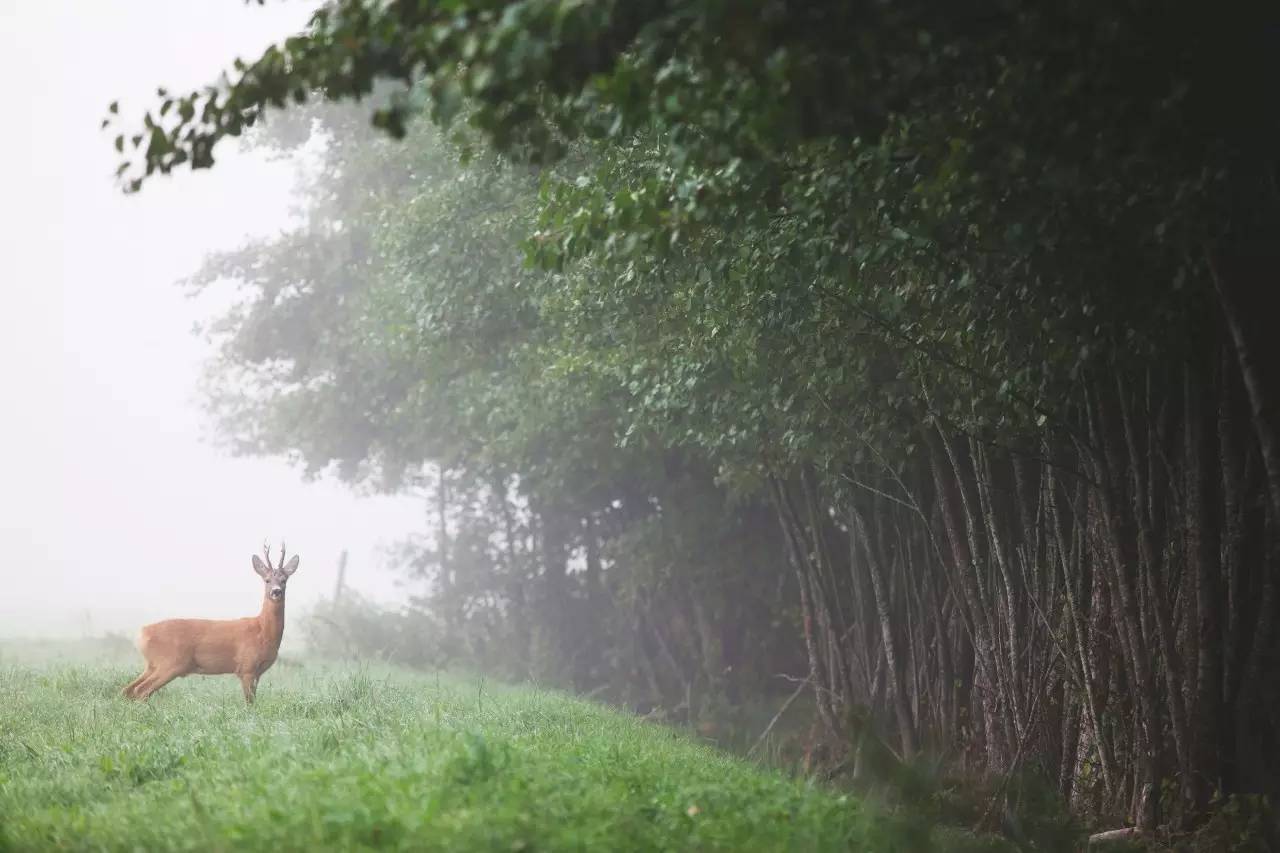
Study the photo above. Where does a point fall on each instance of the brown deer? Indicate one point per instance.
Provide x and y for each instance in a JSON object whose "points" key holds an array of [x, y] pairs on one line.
{"points": [[246, 647]]}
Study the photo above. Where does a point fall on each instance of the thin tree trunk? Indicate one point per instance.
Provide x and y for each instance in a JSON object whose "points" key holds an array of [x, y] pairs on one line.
{"points": [[1256, 360], [1151, 568], [1202, 528], [893, 657], [1132, 619], [798, 558]]}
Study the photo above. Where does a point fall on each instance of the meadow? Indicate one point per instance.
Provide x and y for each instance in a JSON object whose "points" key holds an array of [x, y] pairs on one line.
{"points": [[369, 757]]}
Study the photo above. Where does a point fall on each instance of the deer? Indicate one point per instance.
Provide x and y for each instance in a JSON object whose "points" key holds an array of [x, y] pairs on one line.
{"points": [[243, 647]]}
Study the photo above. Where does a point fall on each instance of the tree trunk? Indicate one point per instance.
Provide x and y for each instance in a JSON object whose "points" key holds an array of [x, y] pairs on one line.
{"points": [[1203, 551], [1246, 285], [894, 659]]}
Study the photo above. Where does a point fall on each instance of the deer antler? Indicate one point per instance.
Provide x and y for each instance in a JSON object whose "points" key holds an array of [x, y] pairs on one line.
{"points": [[266, 552], [280, 565]]}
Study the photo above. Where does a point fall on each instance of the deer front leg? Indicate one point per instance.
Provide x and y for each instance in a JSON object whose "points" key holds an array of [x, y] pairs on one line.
{"points": [[249, 683]]}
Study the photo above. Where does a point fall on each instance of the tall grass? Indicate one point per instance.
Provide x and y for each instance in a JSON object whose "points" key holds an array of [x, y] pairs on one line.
{"points": [[361, 758]]}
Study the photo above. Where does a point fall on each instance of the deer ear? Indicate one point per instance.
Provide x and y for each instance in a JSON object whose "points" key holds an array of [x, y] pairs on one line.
{"points": [[259, 566], [291, 566]]}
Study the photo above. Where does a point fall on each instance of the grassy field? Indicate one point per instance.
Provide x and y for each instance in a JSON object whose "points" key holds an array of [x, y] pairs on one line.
{"points": [[375, 758]]}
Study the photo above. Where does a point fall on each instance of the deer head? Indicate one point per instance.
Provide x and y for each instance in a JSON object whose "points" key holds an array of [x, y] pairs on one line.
{"points": [[275, 577]]}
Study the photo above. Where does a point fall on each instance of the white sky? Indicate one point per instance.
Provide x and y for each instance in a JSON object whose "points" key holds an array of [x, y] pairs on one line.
{"points": [[113, 499]]}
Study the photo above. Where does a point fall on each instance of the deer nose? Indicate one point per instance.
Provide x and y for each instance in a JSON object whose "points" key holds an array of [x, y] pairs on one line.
{"points": [[277, 591]]}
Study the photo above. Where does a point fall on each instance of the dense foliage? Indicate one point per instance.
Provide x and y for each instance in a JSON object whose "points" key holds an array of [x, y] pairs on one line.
{"points": [[922, 349]]}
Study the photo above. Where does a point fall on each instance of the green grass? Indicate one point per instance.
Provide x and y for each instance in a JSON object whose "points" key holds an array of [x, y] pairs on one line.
{"points": [[363, 758]]}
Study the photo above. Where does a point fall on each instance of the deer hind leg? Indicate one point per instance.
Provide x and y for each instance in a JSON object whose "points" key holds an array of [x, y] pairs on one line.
{"points": [[158, 679], [249, 683], [129, 689]]}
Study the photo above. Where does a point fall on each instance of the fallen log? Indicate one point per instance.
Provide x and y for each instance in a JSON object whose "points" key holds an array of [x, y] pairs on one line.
{"points": [[1129, 833]]}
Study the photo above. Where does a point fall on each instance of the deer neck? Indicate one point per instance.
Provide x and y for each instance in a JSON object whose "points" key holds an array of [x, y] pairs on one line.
{"points": [[272, 620]]}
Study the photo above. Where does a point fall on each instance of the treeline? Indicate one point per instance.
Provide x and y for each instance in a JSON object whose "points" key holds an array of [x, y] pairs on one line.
{"points": [[924, 355]]}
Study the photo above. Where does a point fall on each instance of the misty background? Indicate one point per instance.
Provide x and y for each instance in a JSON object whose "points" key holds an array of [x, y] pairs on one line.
{"points": [[117, 507]]}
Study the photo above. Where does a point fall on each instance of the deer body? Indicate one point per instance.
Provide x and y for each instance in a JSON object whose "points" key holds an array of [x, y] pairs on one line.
{"points": [[243, 647]]}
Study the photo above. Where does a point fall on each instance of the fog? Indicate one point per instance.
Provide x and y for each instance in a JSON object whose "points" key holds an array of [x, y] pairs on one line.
{"points": [[116, 504]]}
